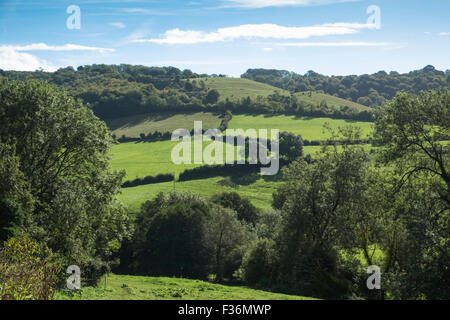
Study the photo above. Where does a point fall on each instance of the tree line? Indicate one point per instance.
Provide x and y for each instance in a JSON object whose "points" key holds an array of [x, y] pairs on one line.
{"points": [[114, 91], [369, 90]]}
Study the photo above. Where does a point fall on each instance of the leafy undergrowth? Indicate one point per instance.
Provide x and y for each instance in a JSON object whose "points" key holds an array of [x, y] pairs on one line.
{"points": [[120, 287]]}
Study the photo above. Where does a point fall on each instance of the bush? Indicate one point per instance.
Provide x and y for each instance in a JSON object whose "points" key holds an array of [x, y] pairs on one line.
{"points": [[170, 238], [28, 271], [246, 211], [258, 265]]}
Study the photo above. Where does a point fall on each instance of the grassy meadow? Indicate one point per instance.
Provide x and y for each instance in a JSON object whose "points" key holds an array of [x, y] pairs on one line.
{"points": [[120, 287], [259, 190], [309, 128], [316, 98], [140, 159], [132, 126], [238, 88]]}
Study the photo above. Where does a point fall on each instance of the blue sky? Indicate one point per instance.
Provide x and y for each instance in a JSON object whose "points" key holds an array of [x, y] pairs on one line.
{"points": [[332, 37]]}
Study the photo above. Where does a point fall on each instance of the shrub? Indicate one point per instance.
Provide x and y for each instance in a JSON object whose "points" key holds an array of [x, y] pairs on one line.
{"points": [[28, 271], [245, 209], [258, 265]]}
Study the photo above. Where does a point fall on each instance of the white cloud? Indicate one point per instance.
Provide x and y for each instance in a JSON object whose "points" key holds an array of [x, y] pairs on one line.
{"points": [[267, 49], [265, 31], [45, 47], [119, 25], [280, 3], [444, 34], [11, 59], [334, 44]]}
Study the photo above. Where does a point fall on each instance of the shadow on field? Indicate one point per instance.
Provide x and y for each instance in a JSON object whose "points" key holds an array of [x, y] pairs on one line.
{"points": [[274, 178], [126, 122]]}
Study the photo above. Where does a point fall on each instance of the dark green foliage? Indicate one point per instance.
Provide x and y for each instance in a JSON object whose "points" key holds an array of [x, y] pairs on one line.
{"points": [[209, 171], [260, 264], [62, 151], [225, 120], [212, 96], [244, 208], [148, 180], [370, 90], [412, 128], [170, 238], [225, 234], [117, 91], [15, 198], [291, 146]]}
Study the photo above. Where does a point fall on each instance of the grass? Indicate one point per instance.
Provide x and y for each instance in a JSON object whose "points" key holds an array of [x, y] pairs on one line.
{"points": [[238, 88], [132, 126], [255, 188], [309, 128], [316, 98], [152, 158], [140, 159], [121, 287]]}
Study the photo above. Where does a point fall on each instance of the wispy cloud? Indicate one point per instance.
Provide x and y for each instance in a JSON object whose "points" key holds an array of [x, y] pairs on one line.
{"points": [[280, 3], [194, 62], [46, 47], [334, 44], [444, 34], [119, 25], [146, 11], [263, 31]]}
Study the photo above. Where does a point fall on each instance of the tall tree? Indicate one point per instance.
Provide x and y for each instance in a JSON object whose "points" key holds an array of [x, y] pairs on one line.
{"points": [[412, 130], [224, 233], [62, 149]]}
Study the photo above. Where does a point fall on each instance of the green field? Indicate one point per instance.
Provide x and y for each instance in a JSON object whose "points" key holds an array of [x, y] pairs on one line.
{"points": [[259, 190], [315, 98], [163, 122], [140, 159], [309, 128], [256, 188], [119, 287], [238, 88]]}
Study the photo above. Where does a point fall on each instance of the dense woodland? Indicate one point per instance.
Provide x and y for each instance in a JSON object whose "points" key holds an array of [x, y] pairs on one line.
{"points": [[369, 90], [115, 91], [332, 216]]}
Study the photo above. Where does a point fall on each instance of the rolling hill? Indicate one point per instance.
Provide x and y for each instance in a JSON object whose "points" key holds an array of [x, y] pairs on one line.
{"points": [[134, 125], [238, 88]]}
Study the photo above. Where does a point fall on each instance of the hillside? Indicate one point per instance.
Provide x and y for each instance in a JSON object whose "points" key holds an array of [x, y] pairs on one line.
{"points": [[370, 90], [316, 98], [239, 88], [120, 287], [309, 128], [125, 91], [133, 126]]}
